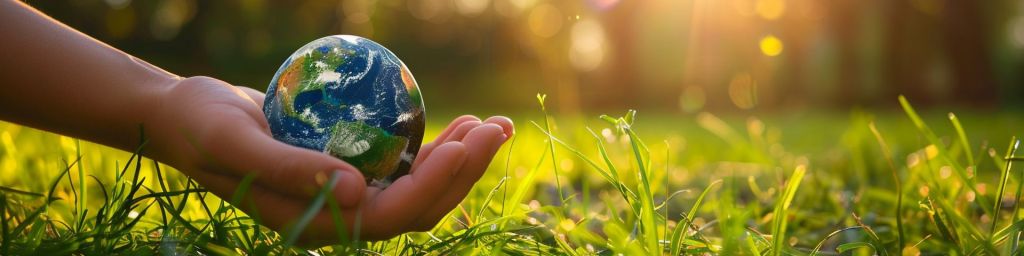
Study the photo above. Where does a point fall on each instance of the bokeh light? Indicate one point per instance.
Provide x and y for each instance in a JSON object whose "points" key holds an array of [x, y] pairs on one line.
{"points": [[545, 20], [357, 11], [588, 45], [603, 4], [471, 7], [742, 91], [436, 11], [771, 46], [512, 8], [1016, 31], [605, 54], [771, 9], [169, 17]]}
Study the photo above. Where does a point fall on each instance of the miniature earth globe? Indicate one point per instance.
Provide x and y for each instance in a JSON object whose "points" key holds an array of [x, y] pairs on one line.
{"points": [[351, 98]]}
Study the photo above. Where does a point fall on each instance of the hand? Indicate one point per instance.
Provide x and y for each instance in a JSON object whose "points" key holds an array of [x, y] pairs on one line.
{"points": [[216, 133]]}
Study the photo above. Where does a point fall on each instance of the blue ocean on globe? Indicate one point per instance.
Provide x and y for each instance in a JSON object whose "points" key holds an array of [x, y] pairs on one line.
{"points": [[349, 97]]}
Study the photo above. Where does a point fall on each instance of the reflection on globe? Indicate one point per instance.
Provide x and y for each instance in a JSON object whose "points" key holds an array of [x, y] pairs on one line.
{"points": [[351, 98]]}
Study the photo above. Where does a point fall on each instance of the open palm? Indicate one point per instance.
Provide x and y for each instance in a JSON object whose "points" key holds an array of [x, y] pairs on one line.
{"points": [[217, 134]]}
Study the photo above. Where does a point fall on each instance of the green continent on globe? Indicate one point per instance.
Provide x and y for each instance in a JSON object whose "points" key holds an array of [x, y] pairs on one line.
{"points": [[305, 74], [372, 150], [353, 99]]}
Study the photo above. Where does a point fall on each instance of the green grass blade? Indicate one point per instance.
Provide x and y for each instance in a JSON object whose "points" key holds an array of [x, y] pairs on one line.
{"points": [[896, 180], [677, 234], [526, 183], [843, 248], [779, 220], [83, 196], [963, 138], [611, 175], [1004, 180], [647, 219], [934, 140], [337, 218], [1020, 188], [508, 160], [551, 146], [293, 233]]}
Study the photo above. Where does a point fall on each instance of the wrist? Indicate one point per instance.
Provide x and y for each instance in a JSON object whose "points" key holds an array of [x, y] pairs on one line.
{"points": [[158, 118], [178, 120]]}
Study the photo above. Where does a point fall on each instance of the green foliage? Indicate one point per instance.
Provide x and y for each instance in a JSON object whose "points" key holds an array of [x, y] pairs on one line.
{"points": [[717, 189]]}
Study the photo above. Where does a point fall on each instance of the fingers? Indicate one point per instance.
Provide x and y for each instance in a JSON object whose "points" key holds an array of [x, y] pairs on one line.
{"points": [[287, 169], [413, 202], [277, 211], [425, 149], [256, 96], [398, 206], [481, 144], [457, 127], [454, 124], [461, 131], [504, 122], [280, 213]]}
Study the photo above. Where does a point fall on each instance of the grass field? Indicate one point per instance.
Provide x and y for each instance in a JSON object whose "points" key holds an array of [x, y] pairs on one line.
{"points": [[859, 182]]}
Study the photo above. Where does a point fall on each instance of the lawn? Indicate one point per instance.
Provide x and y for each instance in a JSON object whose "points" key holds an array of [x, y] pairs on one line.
{"points": [[886, 182]]}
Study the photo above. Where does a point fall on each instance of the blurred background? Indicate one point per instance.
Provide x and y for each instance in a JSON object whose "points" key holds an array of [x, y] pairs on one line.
{"points": [[737, 90], [667, 56]]}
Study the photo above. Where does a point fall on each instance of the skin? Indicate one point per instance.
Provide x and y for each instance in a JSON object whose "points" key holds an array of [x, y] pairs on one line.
{"points": [[57, 79]]}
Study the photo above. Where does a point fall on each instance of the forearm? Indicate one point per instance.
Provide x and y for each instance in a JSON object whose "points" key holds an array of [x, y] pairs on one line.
{"points": [[57, 79]]}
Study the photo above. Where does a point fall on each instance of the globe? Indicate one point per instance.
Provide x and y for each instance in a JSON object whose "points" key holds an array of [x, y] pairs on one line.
{"points": [[351, 98]]}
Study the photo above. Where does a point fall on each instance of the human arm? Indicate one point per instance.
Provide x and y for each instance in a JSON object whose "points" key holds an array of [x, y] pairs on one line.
{"points": [[57, 79]]}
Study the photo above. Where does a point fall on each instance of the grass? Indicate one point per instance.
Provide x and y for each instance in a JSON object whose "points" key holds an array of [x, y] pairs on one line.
{"points": [[902, 183]]}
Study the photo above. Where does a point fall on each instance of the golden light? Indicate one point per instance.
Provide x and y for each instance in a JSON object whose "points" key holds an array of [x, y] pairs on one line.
{"points": [[512, 8], [771, 9], [522, 4], [742, 91], [1016, 31], [743, 7], [436, 11], [471, 7], [505, 8], [588, 44], [545, 20], [771, 46], [169, 18], [604, 4], [357, 11]]}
